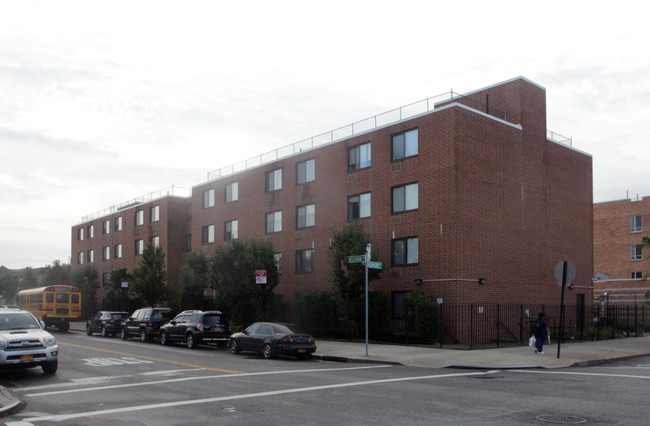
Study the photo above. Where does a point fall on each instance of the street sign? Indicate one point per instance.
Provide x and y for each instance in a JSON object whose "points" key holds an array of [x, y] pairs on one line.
{"points": [[374, 265], [357, 259], [559, 272], [260, 276]]}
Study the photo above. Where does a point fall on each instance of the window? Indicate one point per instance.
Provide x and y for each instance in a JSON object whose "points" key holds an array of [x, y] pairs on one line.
{"points": [[154, 213], [188, 244], [106, 227], [359, 206], [405, 198], [636, 224], [139, 218], [405, 145], [117, 251], [80, 258], [305, 171], [636, 252], [359, 157], [80, 234], [232, 192], [230, 230], [404, 251], [91, 231], [273, 222], [208, 198], [139, 247], [636, 275], [306, 216], [278, 261], [304, 261], [155, 241], [118, 223], [91, 256], [106, 253], [274, 180], [106, 278], [207, 234]]}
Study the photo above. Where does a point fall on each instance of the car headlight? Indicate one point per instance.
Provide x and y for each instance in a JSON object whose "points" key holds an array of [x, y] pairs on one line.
{"points": [[49, 341], [2, 344]]}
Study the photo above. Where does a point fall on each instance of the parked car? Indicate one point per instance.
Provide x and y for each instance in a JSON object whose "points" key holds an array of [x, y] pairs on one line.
{"points": [[145, 323], [24, 343], [271, 339], [106, 323], [196, 327]]}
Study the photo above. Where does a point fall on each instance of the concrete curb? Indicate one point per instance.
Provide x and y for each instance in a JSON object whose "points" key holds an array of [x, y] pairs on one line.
{"points": [[8, 403]]}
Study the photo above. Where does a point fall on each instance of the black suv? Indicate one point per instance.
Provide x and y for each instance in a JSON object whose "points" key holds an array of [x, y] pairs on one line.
{"points": [[196, 327], [145, 323]]}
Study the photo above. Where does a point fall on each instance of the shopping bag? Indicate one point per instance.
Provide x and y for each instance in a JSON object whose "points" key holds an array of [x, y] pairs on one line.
{"points": [[531, 341]]}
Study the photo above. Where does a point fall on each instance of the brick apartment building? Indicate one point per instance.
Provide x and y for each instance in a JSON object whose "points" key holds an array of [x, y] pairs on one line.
{"points": [[470, 187], [621, 263]]}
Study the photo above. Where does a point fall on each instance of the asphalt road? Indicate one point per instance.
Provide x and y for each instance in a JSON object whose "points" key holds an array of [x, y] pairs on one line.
{"points": [[106, 381]]}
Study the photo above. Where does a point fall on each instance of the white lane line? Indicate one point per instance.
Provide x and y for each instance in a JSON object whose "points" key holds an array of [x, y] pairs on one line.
{"points": [[63, 417], [572, 373], [183, 379]]}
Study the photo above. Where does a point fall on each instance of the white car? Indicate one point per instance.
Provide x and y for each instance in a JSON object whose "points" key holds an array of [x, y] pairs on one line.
{"points": [[24, 343]]}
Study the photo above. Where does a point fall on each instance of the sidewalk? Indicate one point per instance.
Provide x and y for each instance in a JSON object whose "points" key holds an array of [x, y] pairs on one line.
{"points": [[571, 355]]}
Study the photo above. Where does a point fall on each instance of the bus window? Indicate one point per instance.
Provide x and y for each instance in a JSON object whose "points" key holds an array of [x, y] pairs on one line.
{"points": [[49, 297], [62, 298], [75, 298]]}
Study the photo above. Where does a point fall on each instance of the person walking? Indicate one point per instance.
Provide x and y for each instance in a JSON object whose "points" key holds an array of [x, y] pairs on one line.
{"points": [[540, 330]]}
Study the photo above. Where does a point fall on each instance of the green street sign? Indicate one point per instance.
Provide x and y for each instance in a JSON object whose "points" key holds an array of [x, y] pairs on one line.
{"points": [[357, 259], [374, 265]]}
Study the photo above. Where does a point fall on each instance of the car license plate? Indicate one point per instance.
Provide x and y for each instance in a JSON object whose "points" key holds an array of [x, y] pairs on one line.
{"points": [[301, 351], [27, 358]]}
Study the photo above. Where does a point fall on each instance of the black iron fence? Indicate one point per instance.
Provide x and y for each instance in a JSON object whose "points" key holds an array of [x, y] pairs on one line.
{"points": [[475, 325]]}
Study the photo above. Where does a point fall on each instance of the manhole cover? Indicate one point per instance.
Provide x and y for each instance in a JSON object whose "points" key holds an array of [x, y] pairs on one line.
{"points": [[561, 420]]}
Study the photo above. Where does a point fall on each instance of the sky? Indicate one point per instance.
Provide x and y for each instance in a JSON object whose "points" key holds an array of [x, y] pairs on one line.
{"points": [[102, 102]]}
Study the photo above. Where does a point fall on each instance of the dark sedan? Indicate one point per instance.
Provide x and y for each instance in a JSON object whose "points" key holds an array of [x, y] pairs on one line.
{"points": [[106, 323], [271, 339]]}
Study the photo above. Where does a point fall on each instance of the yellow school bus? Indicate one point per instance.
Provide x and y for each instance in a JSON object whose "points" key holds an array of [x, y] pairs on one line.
{"points": [[55, 305]]}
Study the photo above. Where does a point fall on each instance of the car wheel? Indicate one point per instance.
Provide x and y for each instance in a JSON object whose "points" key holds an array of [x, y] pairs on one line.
{"points": [[123, 334], [89, 330], [50, 367], [190, 341], [163, 338], [104, 333], [143, 335], [267, 352], [234, 347]]}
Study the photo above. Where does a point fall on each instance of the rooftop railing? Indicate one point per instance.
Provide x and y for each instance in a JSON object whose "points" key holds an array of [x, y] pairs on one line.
{"points": [[161, 193]]}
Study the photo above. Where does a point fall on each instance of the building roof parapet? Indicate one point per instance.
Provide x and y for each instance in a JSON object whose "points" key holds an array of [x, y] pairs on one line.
{"points": [[170, 191], [393, 116]]}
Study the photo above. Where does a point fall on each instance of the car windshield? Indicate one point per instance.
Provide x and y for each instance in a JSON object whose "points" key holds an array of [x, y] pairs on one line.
{"points": [[19, 321], [286, 329], [119, 315], [164, 315]]}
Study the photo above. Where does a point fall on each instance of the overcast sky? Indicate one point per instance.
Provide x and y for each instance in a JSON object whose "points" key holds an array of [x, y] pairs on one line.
{"points": [[102, 102]]}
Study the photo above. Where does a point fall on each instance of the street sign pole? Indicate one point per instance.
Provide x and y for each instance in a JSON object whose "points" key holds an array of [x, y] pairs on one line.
{"points": [[559, 340], [366, 266]]}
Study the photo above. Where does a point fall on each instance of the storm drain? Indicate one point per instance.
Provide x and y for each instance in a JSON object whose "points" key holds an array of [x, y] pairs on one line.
{"points": [[561, 420]]}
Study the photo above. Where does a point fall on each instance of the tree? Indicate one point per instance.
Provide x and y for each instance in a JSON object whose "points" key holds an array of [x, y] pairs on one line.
{"points": [[8, 288], [194, 279], [150, 279], [86, 280], [57, 274], [349, 278], [232, 274], [29, 279]]}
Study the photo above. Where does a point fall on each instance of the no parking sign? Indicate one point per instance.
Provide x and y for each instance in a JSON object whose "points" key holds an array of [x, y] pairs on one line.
{"points": [[260, 276]]}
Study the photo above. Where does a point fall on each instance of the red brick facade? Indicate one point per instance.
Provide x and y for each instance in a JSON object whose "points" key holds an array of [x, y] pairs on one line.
{"points": [[496, 200]]}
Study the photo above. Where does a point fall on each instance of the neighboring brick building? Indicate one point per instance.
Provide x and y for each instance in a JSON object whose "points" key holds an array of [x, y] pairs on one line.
{"points": [[114, 239], [621, 263], [473, 188]]}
